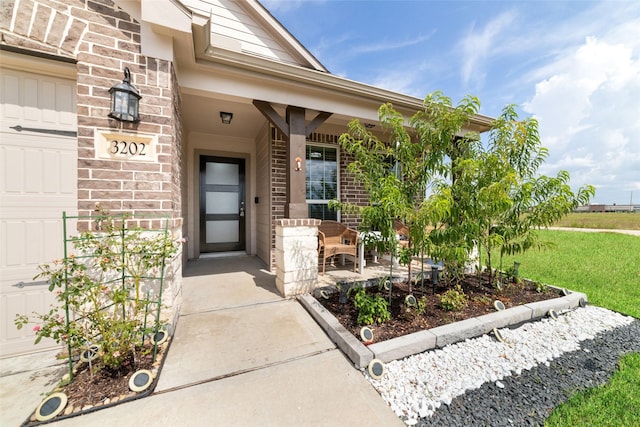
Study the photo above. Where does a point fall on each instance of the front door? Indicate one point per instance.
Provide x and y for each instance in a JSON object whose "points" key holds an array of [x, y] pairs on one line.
{"points": [[222, 204]]}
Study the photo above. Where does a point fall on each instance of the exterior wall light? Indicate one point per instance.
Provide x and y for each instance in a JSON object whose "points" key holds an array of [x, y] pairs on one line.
{"points": [[226, 117], [125, 100], [298, 164]]}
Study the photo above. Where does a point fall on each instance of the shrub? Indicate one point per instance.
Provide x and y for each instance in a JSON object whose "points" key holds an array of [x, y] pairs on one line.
{"points": [[454, 299], [541, 287], [410, 312], [371, 309]]}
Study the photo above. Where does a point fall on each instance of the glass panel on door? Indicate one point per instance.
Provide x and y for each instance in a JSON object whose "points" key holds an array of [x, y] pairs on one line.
{"points": [[222, 173]]}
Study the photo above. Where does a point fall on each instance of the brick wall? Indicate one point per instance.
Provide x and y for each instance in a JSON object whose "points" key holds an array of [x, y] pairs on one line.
{"points": [[103, 39], [278, 184], [350, 191], [111, 43]]}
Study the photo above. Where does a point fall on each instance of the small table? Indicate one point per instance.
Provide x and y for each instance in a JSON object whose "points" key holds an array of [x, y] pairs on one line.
{"points": [[370, 235], [362, 236]]}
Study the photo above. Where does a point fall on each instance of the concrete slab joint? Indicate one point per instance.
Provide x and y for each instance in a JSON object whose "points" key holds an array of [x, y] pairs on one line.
{"points": [[296, 255]]}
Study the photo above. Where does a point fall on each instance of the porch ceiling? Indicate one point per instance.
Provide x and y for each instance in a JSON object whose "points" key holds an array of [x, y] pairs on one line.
{"points": [[201, 114]]}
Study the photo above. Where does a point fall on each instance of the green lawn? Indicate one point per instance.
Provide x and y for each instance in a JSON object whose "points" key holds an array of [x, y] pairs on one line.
{"points": [[606, 266], [606, 220], [616, 404]]}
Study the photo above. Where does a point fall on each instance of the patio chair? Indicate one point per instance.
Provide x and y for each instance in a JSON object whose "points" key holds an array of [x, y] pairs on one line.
{"points": [[402, 233], [335, 238]]}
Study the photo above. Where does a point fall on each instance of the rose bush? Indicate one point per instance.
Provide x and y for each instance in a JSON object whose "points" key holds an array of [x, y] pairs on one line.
{"points": [[107, 294]]}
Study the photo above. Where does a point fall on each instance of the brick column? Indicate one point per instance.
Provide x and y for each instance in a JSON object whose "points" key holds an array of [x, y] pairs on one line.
{"points": [[296, 255]]}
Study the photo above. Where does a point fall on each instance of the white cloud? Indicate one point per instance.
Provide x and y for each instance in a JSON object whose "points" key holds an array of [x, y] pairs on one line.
{"points": [[399, 80], [390, 45], [478, 45], [409, 77], [589, 113]]}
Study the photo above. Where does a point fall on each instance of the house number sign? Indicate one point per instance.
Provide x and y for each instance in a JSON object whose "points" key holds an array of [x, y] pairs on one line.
{"points": [[132, 147]]}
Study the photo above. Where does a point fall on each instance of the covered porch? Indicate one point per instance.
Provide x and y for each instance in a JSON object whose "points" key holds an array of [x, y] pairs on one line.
{"points": [[257, 105]]}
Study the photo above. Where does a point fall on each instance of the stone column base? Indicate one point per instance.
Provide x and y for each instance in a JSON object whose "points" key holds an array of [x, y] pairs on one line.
{"points": [[296, 255]]}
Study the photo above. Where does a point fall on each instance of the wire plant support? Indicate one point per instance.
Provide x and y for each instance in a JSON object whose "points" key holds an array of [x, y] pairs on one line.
{"points": [[113, 279]]}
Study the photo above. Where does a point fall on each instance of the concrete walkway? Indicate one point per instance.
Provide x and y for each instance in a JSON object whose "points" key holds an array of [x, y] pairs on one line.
{"points": [[242, 355], [24, 381]]}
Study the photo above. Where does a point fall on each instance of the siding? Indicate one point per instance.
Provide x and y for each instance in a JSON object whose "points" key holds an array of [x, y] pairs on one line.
{"points": [[228, 19]]}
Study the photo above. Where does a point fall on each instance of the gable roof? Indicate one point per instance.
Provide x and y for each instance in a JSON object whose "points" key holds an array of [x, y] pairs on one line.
{"points": [[247, 27]]}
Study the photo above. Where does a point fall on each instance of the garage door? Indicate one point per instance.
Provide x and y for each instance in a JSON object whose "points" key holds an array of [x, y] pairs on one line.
{"points": [[38, 181]]}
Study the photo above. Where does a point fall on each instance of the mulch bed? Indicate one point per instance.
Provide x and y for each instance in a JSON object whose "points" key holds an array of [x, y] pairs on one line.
{"points": [[96, 386], [481, 297]]}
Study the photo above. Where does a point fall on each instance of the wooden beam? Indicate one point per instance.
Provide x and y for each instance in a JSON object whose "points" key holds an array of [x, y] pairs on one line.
{"points": [[316, 122], [296, 130], [272, 115], [296, 205]]}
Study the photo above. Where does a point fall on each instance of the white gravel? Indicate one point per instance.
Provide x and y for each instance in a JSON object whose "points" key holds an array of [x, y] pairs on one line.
{"points": [[416, 386]]}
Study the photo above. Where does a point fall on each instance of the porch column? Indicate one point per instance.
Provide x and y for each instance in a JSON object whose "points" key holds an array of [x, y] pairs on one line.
{"points": [[296, 205], [296, 130]]}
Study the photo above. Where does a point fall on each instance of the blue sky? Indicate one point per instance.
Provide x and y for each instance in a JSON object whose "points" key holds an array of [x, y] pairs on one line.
{"points": [[574, 65]]}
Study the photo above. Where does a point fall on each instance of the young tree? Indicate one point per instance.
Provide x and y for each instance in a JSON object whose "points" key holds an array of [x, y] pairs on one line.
{"points": [[536, 201], [501, 200], [373, 167], [488, 195], [442, 129], [397, 172]]}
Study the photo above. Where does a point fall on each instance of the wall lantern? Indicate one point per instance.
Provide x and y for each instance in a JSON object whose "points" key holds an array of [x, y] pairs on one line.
{"points": [[298, 164], [226, 117], [124, 100]]}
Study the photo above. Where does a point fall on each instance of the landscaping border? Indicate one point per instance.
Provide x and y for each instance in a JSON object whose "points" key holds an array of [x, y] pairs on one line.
{"points": [[129, 397], [438, 337]]}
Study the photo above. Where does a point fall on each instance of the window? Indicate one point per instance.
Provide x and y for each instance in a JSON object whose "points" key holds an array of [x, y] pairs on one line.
{"points": [[322, 180]]}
